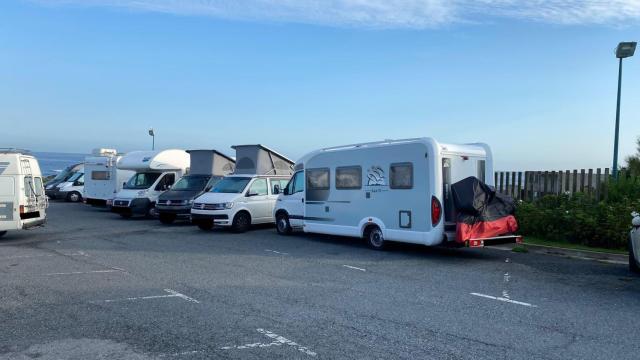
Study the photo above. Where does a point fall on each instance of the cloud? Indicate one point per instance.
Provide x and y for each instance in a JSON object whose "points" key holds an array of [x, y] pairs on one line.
{"points": [[388, 13]]}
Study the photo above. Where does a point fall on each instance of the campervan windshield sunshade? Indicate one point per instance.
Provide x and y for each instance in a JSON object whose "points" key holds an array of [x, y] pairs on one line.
{"points": [[481, 211], [191, 183], [231, 185]]}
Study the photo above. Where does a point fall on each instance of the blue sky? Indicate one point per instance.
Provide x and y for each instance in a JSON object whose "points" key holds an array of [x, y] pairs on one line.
{"points": [[536, 79]]}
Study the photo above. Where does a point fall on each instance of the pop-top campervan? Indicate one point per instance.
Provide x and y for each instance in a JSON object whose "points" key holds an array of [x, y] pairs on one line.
{"points": [[23, 202], [155, 173], [397, 190], [102, 178], [248, 196], [207, 168]]}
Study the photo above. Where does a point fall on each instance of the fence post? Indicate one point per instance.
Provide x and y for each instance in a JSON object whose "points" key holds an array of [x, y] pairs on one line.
{"points": [[544, 184], [606, 183], [501, 182], [538, 183], [598, 184], [582, 180], [513, 184], [589, 182], [567, 180], [506, 183], [560, 182], [519, 185], [574, 187], [495, 179]]}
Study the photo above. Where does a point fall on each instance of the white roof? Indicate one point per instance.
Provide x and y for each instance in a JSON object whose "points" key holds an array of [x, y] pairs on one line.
{"points": [[173, 159]]}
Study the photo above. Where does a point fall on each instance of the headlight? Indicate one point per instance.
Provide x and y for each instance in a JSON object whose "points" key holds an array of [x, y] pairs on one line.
{"points": [[228, 205], [142, 193], [49, 187], [190, 202]]}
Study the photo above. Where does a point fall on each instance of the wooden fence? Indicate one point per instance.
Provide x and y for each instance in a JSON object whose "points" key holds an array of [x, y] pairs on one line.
{"points": [[529, 185]]}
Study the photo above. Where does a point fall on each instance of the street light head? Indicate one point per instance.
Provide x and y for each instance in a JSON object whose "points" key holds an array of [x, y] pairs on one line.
{"points": [[151, 132], [625, 49]]}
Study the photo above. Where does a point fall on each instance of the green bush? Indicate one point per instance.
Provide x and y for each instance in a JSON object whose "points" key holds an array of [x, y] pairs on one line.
{"points": [[580, 219]]}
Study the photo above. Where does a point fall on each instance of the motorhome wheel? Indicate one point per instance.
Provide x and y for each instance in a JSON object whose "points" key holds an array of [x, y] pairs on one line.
{"points": [[375, 238], [241, 222], [167, 218], [282, 224], [2, 233], [151, 213], [74, 196], [633, 262]]}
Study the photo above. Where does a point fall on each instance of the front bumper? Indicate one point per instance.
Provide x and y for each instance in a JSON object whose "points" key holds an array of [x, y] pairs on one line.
{"points": [[180, 210], [221, 219], [139, 206], [53, 193]]}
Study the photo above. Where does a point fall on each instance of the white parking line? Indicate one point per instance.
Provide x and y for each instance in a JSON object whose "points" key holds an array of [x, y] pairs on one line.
{"points": [[83, 272], [278, 341], [79, 253], [172, 294], [354, 268], [503, 299], [276, 252]]}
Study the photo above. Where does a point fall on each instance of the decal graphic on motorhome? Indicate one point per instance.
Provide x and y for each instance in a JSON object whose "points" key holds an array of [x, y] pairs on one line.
{"points": [[3, 166], [375, 176]]}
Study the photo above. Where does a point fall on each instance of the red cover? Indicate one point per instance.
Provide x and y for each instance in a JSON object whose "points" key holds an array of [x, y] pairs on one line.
{"points": [[486, 229]]}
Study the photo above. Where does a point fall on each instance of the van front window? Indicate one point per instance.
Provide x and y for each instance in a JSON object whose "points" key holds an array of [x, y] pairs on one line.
{"points": [[141, 181], [231, 185]]}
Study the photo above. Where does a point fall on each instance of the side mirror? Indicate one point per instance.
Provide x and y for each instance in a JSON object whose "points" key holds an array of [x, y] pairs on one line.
{"points": [[124, 184], [276, 189], [286, 191], [168, 187]]}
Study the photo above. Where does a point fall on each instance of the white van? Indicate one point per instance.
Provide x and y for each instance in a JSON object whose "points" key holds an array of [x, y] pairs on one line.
{"points": [[155, 173], [73, 188], [103, 179], [248, 196], [398, 190], [23, 202]]}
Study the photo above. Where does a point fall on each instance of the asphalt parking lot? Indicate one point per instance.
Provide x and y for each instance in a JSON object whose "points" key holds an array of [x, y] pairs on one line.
{"points": [[91, 285]]}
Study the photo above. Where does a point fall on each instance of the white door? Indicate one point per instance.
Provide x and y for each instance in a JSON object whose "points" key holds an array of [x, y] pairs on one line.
{"points": [[258, 200], [293, 199]]}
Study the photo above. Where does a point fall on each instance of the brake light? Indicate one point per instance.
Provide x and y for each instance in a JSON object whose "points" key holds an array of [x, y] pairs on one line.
{"points": [[436, 211], [21, 209]]}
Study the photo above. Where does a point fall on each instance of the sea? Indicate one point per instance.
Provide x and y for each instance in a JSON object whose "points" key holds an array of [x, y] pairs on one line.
{"points": [[51, 163]]}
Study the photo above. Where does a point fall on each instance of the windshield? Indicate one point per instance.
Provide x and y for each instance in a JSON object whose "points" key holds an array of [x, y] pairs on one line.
{"points": [[191, 183], [75, 176], [64, 174], [141, 181], [231, 185]]}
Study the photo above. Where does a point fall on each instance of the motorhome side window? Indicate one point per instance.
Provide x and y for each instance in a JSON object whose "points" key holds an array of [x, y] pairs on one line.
{"points": [[401, 176], [100, 175], [348, 177], [317, 179]]}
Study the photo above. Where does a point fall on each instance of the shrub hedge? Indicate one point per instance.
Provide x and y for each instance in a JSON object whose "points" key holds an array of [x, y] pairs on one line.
{"points": [[580, 219]]}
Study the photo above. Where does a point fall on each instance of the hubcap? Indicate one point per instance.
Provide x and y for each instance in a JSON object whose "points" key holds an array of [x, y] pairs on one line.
{"points": [[376, 238], [282, 225], [74, 197]]}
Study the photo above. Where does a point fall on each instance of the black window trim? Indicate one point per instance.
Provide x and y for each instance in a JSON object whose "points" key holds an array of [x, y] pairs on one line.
{"points": [[348, 187], [391, 186], [306, 185]]}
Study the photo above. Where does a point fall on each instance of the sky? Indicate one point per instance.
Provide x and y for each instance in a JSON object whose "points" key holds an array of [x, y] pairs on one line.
{"points": [[536, 80]]}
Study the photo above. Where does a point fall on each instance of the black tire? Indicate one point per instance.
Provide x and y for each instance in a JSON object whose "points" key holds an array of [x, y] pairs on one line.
{"points": [[151, 212], [241, 222], [205, 225], [633, 263], [3, 233], [74, 197], [282, 224], [166, 219], [125, 215], [375, 238]]}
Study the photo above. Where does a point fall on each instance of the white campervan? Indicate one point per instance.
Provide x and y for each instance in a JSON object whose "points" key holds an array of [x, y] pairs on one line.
{"points": [[23, 202], [398, 190], [73, 188], [102, 178], [248, 196], [155, 172]]}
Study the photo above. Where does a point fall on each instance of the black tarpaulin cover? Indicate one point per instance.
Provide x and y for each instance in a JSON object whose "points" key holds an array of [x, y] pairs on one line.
{"points": [[481, 212]]}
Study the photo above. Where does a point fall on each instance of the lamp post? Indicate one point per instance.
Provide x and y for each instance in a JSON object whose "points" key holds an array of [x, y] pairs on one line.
{"points": [[153, 138], [624, 50]]}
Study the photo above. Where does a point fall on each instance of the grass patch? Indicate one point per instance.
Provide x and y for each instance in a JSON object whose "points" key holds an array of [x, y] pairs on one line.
{"points": [[566, 245]]}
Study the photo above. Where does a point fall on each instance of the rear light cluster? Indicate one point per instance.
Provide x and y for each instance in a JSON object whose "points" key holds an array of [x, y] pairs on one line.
{"points": [[436, 211]]}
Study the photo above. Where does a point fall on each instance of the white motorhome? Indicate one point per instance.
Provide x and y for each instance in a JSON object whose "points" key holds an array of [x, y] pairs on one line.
{"points": [[23, 202], [155, 173], [102, 178], [248, 196], [73, 188], [397, 190]]}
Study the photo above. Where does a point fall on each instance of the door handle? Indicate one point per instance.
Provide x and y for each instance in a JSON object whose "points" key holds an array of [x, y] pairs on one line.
{"points": [[303, 200]]}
